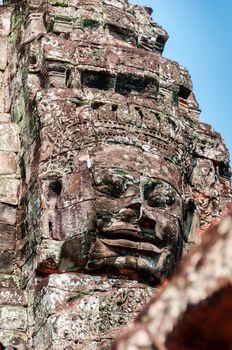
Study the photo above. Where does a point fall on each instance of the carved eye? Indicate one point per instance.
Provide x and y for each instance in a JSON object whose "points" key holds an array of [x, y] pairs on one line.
{"points": [[111, 187], [159, 194], [160, 200]]}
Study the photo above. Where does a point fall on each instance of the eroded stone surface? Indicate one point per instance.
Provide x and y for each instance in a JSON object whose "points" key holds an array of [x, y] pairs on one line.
{"points": [[194, 310], [85, 309], [4, 53], [8, 163], [118, 174], [9, 190], [13, 300], [9, 139]]}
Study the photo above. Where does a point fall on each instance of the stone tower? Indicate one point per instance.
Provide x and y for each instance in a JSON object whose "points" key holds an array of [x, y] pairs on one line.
{"points": [[106, 174]]}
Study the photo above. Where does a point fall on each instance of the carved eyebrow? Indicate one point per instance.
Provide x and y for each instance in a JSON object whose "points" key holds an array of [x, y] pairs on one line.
{"points": [[120, 172], [108, 179], [151, 179]]}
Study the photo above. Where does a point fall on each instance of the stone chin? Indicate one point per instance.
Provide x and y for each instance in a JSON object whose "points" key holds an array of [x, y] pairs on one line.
{"points": [[128, 252], [147, 267], [125, 251]]}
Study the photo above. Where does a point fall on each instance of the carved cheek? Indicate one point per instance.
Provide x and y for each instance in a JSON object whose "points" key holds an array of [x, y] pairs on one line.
{"points": [[167, 228], [171, 231], [78, 219], [119, 209], [128, 215]]}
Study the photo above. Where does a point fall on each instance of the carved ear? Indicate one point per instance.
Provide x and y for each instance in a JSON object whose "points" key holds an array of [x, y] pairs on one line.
{"points": [[191, 222]]}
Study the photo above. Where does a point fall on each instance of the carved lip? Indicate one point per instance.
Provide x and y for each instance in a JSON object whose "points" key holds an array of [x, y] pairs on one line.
{"points": [[125, 243], [131, 237]]}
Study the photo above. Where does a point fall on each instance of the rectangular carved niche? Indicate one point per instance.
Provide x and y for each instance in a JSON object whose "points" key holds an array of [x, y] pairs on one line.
{"points": [[98, 80], [129, 83]]}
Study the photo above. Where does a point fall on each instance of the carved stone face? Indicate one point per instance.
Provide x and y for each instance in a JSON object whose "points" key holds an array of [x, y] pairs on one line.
{"points": [[136, 223]]}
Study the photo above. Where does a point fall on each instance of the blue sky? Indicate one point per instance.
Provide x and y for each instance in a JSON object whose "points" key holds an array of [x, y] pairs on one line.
{"points": [[200, 38]]}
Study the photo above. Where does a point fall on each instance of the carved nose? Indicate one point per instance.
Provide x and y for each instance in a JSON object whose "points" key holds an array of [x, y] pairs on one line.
{"points": [[131, 213], [144, 218], [145, 221], [136, 206]]}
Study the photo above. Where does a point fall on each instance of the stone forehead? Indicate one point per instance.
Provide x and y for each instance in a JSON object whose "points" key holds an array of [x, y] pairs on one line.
{"points": [[133, 159], [157, 167], [111, 118], [106, 156], [116, 118]]}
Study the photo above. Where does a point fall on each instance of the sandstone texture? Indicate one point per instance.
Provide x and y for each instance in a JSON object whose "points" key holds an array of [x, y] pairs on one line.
{"points": [[194, 310], [107, 176]]}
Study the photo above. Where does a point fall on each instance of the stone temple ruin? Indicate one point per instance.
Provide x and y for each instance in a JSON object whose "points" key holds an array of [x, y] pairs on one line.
{"points": [[107, 177]]}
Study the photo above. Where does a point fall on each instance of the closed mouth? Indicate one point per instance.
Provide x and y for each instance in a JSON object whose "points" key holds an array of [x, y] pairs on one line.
{"points": [[132, 238], [125, 243]]}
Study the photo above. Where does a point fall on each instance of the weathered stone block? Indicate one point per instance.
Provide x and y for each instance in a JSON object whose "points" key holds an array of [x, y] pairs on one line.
{"points": [[7, 237], [74, 325], [1, 78], [7, 261], [3, 50], [85, 307], [8, 163], [9, 281], [15, 339], [7, 214], [9, 190], [2, 98], [13, 318], [117, 18], [48, 257], [5, 118], [59, 2], [33, 84], [44, 336], [34, 26], [9, 138], [5, 21], [12, 297], [35, 3]]}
